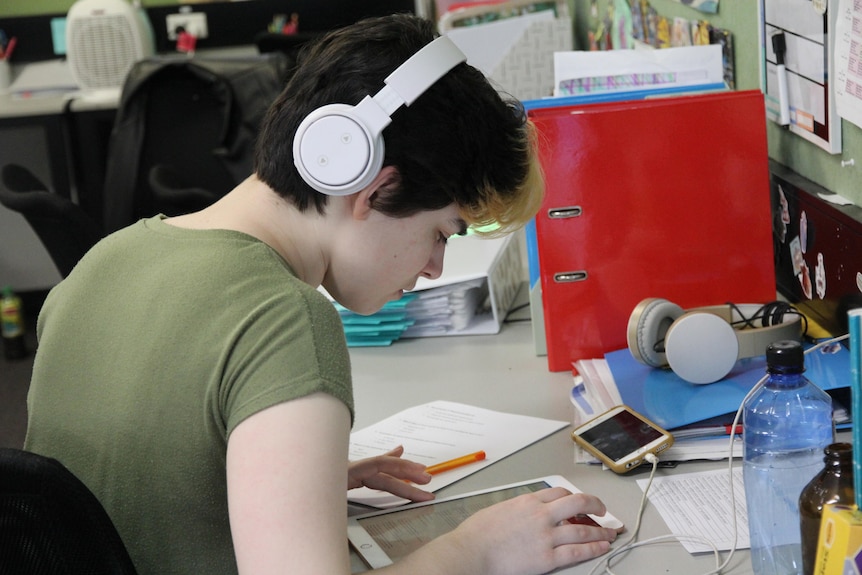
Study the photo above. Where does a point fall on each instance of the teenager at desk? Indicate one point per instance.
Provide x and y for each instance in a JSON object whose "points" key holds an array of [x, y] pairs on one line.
{"points": [[190, 373]]}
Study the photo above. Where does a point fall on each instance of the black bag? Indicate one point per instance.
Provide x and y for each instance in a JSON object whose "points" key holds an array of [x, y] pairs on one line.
{"points": [[184, 132]]}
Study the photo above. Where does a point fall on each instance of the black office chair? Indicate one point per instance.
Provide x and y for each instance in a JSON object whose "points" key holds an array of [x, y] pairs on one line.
{"points": [[51, 524], [63, 227]]}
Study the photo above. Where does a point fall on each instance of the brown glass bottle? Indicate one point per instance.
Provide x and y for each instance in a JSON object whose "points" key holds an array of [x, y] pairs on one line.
{"points": [[834, 484]]}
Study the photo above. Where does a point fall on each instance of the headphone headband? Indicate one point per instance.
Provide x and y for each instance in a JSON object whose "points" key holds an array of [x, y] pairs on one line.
{"points": [[754, 341], [423, 69], [338, 149], [701, 345]]}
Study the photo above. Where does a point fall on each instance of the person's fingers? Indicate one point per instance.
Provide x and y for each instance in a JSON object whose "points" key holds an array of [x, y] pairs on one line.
{"points": [[569, 533], [552, 494], [399, 468], [576, 553], [398, 487], [564, 504]]}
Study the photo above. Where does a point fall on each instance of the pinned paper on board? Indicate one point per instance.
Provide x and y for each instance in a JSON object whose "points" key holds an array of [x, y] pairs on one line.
{"points": [[809, 63], [848, 61]]}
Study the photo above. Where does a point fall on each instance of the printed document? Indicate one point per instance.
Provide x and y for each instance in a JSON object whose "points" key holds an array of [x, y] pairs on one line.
{"points": [[699, 504]]}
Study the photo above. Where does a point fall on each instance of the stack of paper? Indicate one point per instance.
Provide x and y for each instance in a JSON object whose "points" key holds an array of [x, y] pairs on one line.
{"points": [[436, 311], [699, 416], [446, 309], [381, 328], [480, 280]]}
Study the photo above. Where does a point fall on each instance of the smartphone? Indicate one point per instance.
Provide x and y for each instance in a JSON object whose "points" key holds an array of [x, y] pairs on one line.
{"points": [[621, 437]]}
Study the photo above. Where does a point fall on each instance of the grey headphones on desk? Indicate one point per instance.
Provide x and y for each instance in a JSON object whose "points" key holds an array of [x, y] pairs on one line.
{"points": [[702, 345]]}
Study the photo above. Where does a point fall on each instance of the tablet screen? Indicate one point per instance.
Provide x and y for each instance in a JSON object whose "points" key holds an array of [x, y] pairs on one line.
{"points": [[383, 537], [403, 531]]}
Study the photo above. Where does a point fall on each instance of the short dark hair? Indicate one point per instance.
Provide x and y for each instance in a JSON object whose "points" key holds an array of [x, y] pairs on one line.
{"points": [[460, 142]]}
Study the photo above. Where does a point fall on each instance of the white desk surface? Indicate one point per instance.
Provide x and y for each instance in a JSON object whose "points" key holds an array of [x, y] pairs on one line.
{"points": [[43, 88], [502, 372]]}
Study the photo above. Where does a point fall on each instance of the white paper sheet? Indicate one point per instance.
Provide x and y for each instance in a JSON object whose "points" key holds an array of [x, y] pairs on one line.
{"points": [[699, 504], [485, 45], [443, 430], [848, 66]]}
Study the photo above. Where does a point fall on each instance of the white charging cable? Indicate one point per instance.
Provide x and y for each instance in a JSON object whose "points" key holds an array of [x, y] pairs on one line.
{"points": [[632, 542]]}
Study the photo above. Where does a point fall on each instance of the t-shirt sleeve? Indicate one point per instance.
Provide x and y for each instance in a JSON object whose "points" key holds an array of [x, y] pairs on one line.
{"points": [[291, 345]]}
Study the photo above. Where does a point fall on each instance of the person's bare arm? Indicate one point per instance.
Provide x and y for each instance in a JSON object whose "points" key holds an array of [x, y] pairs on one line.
{"points": [[287, 469], [286, 474]]}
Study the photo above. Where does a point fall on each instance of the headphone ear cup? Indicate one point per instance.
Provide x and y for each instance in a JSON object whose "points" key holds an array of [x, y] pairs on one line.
{"points": [[335, 152], [701, 347], [338, 149], [647, 326]]}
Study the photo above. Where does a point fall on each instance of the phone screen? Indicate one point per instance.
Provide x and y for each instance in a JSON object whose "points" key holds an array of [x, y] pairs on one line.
{"points": [[620, 435]]}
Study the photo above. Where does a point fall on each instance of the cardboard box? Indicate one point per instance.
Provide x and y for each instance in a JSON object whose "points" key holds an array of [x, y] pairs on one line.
{"points": [[839, 549]]}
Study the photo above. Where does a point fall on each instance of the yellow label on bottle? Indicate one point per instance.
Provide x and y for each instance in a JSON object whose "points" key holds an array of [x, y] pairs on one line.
{"points": [[10, 317]]}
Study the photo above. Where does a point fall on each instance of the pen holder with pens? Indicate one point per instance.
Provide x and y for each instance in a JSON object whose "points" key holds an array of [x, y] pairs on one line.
{"points": [[5, 76], [7, 46]]}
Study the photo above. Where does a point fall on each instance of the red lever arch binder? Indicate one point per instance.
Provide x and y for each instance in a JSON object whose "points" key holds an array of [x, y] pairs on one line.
{"points": [[667, 197]]}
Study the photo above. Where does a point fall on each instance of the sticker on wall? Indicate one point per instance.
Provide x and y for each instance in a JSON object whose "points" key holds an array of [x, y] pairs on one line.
{"points": [[820, 276], [805, 280], [803, 231]]}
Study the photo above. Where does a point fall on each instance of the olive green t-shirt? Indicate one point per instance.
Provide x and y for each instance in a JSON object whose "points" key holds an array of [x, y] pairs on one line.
{"points": [[150, 353]]}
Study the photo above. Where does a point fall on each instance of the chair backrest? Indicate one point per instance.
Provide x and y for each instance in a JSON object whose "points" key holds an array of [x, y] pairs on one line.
{"points": [[63, 227], [195, 120], [50, 522]]}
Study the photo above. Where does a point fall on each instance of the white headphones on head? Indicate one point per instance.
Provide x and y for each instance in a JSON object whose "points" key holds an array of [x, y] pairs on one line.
{"points": [[703, 344], [338, 149]]}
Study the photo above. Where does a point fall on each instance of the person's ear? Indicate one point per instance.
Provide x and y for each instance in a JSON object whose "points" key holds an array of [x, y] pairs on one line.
{"points": [[364, 200]]}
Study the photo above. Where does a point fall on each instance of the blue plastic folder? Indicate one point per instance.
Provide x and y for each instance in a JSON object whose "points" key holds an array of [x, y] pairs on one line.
{"points": [[672, 402]]}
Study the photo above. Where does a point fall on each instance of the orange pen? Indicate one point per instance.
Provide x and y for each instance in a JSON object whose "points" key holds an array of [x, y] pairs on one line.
{"points": [[455, 463]]}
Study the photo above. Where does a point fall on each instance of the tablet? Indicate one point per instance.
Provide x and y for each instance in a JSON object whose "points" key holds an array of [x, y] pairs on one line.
{"points": [[383, 537]]}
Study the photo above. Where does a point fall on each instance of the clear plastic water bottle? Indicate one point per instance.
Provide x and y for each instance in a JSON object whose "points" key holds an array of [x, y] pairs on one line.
{"points": [[786, 425]]}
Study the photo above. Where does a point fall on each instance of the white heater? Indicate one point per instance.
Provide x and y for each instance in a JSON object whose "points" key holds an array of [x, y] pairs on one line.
{"points": [[104, 38]]}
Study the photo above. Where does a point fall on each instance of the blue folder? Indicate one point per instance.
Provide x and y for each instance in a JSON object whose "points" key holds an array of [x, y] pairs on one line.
{"points": [[672, 402], [621, 96]]}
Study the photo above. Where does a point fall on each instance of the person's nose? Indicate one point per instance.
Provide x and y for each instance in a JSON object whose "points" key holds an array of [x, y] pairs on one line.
{"points": [[434, 268]]}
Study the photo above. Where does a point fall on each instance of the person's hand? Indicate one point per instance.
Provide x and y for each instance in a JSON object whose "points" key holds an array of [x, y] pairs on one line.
{"points": [[390, 473], [531, 534]]}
